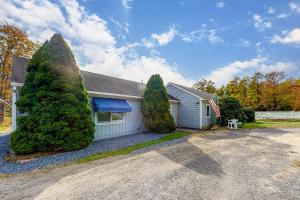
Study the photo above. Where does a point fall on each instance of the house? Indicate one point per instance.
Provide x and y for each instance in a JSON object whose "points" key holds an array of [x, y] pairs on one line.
{"points": [[195, 110], [116, 103]]}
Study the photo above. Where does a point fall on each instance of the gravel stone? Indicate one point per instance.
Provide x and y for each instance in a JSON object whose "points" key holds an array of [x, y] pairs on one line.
{"points": [[95, 147]]}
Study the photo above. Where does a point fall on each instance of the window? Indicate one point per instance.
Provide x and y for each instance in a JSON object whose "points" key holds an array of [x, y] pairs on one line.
{"points": [[116, 116], [103, 117], [108, 117], [207, 111]]}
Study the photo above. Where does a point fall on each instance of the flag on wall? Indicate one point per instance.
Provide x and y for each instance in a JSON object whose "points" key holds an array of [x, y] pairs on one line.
{"points": [[215, 107]]}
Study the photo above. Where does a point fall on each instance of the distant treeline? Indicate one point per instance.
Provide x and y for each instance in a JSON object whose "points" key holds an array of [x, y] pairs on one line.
{"points": [[261, 92]]}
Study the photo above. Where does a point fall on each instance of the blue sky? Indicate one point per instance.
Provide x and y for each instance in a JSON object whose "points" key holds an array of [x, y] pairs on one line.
{"points": [[182, 40]]}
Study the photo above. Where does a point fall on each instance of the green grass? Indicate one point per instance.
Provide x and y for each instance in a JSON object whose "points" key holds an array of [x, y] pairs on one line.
{"points": [[123, 151], [273, 124]]}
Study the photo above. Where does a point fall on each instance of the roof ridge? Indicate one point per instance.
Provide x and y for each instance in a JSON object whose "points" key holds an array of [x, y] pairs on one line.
{"points": [[194, 89], [112, 77]]}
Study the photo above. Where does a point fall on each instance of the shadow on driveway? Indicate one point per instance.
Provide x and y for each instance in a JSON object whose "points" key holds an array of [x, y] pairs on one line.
{"points": [[242, 133], [190, 156]]}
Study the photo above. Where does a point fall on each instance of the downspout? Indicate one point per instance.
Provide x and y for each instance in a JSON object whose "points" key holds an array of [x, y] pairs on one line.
{"points": [[14, 108], [200, 112]]}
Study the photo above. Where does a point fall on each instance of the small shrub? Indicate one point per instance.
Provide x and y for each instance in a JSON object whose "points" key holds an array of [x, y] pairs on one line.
{"points": [[230, 108], [249, 115]]}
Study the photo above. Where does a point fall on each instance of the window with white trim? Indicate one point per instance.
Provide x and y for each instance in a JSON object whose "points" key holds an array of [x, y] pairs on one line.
{"points": [[207, 110], [109, 117]]}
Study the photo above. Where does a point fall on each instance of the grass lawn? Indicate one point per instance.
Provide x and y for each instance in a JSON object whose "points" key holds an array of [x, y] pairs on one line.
{"points": [[6, 126], [96, 156], [273, 124]]}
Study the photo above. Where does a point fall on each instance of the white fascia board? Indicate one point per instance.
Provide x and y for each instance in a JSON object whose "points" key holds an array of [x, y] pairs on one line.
{"points": [[184, 90], [101, 94], [16, 84], [173, 101], [113, 95], [201, 122]]}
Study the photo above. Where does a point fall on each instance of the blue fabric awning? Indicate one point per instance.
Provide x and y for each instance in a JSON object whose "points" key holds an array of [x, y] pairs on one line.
{"points": [[110, 105]]}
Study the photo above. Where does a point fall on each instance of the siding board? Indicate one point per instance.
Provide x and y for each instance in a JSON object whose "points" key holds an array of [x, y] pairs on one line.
{"points": [[188, 109], [207, 122], [133, 124]]}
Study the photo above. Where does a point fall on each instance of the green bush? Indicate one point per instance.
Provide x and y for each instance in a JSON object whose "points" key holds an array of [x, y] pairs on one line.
{"points": [[156, 107], [249, 115], [58, 115], [230, 108]]}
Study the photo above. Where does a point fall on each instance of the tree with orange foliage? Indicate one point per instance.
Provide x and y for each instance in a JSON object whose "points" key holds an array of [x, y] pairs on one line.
{"points": [[296, 93], [13, 41]]}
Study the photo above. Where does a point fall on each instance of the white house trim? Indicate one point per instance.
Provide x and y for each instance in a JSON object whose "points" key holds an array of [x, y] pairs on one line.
{"points": [[110, 122], [209, 111], [14, 108], [184, 90], [200, 112], [17, 84], [104, 94]]}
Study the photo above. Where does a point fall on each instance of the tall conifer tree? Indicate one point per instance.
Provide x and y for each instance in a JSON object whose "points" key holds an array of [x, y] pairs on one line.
{"points": [[57, 115], [156, 107]]}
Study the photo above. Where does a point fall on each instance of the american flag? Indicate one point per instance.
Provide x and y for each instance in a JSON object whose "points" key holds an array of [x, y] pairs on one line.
{"points": [[215, 107]]}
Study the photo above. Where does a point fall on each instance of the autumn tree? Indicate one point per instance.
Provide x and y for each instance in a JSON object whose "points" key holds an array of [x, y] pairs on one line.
{"points": [[13, 41], [221, 91], [270, 90], [206, 86], [296, 93], [285, 97], [242, 89], [254, 91]]}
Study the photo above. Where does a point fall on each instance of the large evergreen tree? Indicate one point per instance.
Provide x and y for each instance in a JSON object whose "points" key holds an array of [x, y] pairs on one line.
{"points": [[156, 107], [57, 113]]}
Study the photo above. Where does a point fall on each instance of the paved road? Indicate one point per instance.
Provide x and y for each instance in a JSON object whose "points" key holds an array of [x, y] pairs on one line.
{"points": [[254, 164]]}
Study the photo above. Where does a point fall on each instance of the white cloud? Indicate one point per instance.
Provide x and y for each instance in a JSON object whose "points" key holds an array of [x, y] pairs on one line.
{"points": [[127, 4], [90, 39], [144, 67], [166, 37], [259, 48], [244, 43], [282, 16], [295, 6], [220, 4], [261, 23], [201, 35], [223, 75], [271, 10], [292, 37], [278, 67]]}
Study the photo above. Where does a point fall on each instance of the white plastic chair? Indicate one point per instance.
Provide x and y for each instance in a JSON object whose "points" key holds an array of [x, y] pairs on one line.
{"points": [[233, 123]]}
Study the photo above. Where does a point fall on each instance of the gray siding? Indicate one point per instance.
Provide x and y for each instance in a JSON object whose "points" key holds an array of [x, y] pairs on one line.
{"points": [[174, 111], [189, 108], [133, 124], [207, 121]]}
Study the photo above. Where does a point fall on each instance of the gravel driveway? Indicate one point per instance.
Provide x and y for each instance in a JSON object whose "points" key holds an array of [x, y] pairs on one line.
{"points": [[243, 164]]}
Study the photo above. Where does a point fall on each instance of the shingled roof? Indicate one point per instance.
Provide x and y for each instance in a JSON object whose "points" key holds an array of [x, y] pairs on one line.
{"points": [[203, 95], [93, 82]]}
